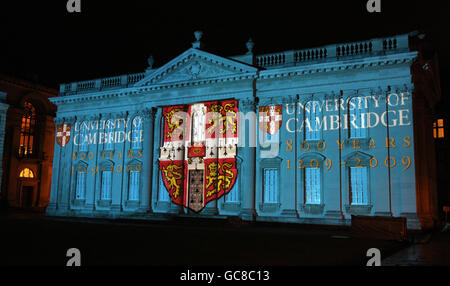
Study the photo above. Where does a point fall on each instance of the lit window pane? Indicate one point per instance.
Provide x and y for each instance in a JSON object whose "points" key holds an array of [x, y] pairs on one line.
{"points": [[27, 129], [26, 173], [359, 183], [312, 113], [133, 191], [106, 185], [136, 140], [270, 185], [312, 185]]}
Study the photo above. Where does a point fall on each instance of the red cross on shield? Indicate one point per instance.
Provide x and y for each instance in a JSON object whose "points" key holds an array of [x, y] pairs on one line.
{"points": [[270, 118], [62, 134]]}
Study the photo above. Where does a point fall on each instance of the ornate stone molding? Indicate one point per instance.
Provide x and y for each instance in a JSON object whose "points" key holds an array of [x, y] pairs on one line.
{"points": [[289, 99], [94, 117], [72, 119], [117, 115], [147, 113], [59, 120], [248, 104]]}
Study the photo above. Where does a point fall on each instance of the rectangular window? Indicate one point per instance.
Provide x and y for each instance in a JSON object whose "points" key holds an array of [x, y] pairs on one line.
{"points": [[312, 186], [136, 133], [133, 185], [83, 140], [106, 185], [81, 185], [270, 185], [438, 128], [233, 194], [312, 120], [109, 135], [358, 178], [356, 120]]}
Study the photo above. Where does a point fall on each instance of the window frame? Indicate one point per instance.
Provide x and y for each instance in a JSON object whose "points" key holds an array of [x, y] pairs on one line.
{"points": [[364, 161], [437, 128], [79, 168], [28, 132], [316, 114], [132, 132], [349, 113]]}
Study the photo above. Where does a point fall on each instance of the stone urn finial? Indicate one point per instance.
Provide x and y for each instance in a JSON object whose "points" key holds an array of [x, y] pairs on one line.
{"points": [[150, 61], [250, 46], [198, 35]]}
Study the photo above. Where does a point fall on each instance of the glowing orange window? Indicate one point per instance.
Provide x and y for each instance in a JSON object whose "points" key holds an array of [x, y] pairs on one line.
{"points": [[438, 128], [26, 173], [27, 129]]}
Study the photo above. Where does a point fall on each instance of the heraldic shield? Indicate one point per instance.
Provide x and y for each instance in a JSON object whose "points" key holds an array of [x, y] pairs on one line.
{"points": [[198, 157], [270, 118], [62, 134]]}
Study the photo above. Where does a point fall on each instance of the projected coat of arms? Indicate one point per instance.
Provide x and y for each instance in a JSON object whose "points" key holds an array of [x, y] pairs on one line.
{"points": [[62, 134], [270, 118], [198, 158]]}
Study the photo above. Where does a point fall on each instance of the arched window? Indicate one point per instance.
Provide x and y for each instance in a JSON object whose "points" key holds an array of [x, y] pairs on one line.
{"points": [[136, 133], [312, 120], [26, 173], [27, 130]]}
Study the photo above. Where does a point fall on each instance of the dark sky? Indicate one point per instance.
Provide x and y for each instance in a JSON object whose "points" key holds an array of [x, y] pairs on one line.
{"points": [[115, 37]]}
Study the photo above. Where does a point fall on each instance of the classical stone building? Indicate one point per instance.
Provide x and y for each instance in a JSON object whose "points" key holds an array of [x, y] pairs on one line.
{"points": [[301, 136], [27, 139]]}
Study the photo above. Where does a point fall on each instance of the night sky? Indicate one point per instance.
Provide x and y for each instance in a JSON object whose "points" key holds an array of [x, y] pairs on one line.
{"points": [[41, 40]]}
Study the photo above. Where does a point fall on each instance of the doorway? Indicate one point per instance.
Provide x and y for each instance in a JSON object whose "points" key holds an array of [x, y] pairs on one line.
{"points": [[27, 197]]}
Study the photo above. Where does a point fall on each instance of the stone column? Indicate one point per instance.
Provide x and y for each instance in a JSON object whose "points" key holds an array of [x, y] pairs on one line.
{"points": [[53, 205], [46, 164], [248, 154], [3, 113], [155, 156], [288, 183], [64, 169], [91, 195], [148, 115]]}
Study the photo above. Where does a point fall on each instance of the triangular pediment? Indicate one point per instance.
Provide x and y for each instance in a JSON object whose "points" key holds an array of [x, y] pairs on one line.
{"points": [[194, 65]]}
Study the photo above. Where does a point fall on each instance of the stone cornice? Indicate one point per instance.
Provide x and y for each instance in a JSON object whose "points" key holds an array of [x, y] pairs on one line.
{"points": [[334, 66]]}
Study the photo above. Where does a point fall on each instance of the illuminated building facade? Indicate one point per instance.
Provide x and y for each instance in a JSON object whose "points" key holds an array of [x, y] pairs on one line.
{"points": [[302, 136], [27, 138]]}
